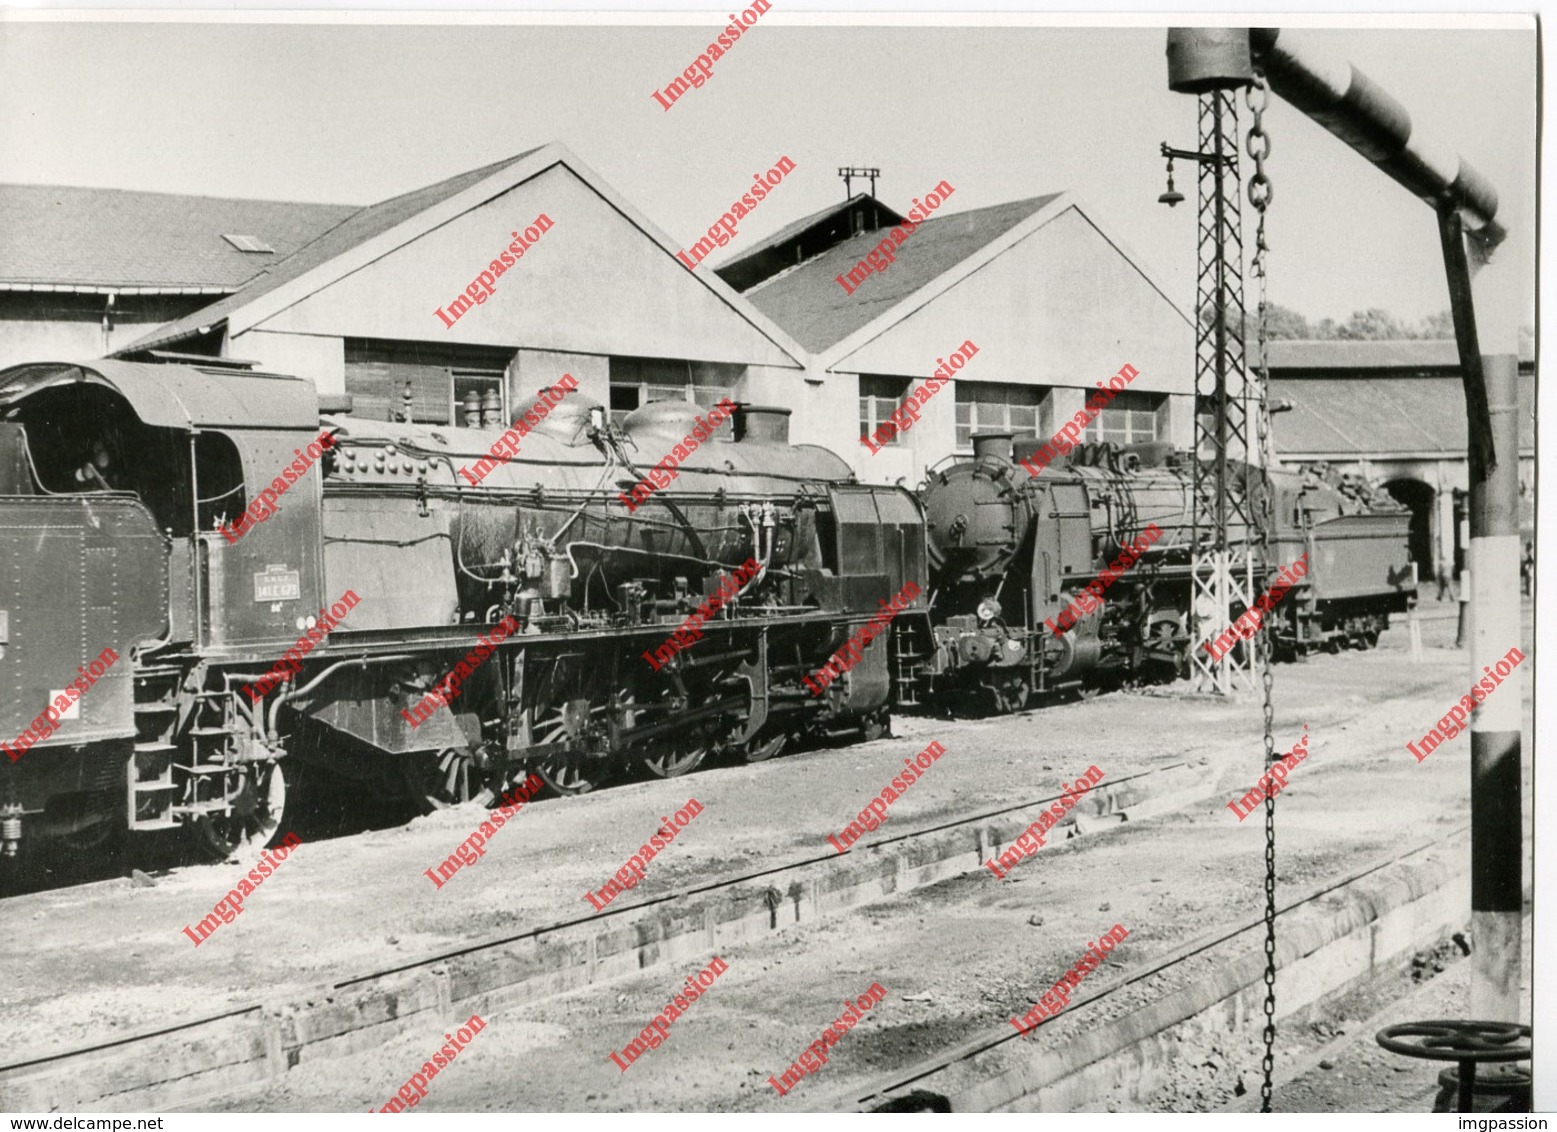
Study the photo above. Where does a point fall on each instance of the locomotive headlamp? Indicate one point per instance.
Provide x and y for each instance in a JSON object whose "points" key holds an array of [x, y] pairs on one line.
{"points": [[310, 621], [301, 624], [989, 609]]}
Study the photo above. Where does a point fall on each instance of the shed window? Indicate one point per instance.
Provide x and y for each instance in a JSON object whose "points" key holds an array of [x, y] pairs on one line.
{"points": [[984, 406], [1130, 418], [481, 383], [636, 382], [379, 373], [879, 399]]}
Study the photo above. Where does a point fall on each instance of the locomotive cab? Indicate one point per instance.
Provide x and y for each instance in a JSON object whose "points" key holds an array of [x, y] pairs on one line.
{"points": [[194, 455]]}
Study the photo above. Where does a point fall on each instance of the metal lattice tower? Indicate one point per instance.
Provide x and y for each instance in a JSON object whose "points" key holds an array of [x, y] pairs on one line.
{"points": [[1224, 523]]}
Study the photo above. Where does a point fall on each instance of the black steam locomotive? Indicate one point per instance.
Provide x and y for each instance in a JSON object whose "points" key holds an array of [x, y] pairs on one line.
{"points": [[121, 484], [1009, 551], [374, 577]]}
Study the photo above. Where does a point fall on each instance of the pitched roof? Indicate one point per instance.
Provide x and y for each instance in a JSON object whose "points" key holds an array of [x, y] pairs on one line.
{"points": [[1370, 354], [361, 225], [1338, 416], [738, 268], [807, 300], [62, 236]]}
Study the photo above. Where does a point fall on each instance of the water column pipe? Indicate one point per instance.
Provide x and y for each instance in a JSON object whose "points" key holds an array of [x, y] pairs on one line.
{"points": [[1485, 301]]}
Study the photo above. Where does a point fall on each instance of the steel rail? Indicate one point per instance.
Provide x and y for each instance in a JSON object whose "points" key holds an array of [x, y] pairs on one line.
{"points": [[1185, 952]]}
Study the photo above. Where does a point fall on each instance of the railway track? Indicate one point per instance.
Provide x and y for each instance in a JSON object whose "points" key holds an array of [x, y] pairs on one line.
{"points": [[954, 1080], [261, 1040], [178, 1065]]}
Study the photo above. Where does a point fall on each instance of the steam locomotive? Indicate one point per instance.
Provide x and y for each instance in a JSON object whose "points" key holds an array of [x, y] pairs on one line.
{"points": [[1001, 539], [120, 483], [378, 572]]}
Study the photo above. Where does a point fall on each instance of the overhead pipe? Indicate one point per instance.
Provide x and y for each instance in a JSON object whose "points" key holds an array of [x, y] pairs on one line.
{"points": [[1368, 118]]}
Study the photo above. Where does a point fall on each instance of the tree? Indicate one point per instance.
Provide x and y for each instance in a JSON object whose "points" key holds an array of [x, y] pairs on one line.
{"points": [[1372, 325], [1283, 322]]}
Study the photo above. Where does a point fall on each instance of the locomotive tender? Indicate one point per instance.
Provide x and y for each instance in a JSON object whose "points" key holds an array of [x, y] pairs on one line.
{"points": [[116, 477], [120, 482]]}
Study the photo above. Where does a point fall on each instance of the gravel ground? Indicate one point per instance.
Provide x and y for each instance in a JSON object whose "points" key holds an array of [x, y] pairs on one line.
{"points": [[956, 960]]}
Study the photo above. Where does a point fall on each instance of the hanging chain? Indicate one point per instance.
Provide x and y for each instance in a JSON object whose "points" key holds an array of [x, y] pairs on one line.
{"points": [[1258, 97]]}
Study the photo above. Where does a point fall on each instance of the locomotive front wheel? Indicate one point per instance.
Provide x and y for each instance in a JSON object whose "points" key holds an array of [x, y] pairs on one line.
{"points": [[243, 832]]}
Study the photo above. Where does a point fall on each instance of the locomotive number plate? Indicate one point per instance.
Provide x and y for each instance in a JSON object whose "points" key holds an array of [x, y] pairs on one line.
{"points": [[277, 583]]}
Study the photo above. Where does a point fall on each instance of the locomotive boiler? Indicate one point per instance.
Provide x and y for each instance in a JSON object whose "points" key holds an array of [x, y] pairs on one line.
{"points": [[1010, 551], [122, 482]]}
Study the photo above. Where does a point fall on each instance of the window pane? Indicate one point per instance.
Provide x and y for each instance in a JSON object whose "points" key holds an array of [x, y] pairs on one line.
{"points": [[986, 406], [874, 385], [654, 392]]}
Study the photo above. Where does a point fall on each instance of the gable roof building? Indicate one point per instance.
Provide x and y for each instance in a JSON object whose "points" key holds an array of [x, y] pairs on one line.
{"points": [[1394, 412], [809, 236], [357, 227], [1051, 299], [596, 290]]}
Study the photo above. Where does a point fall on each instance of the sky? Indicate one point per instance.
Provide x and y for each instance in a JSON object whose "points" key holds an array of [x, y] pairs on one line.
{"points": [[355, 114]]}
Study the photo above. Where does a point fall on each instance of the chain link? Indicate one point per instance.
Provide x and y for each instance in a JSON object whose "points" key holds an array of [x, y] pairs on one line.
{"points": [[1260, 197], [1260, 190]]}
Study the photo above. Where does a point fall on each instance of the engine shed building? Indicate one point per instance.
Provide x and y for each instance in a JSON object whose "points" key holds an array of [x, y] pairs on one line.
{"points": [[85, 271], [1052, 301], [1394, 411], [408, 303]]}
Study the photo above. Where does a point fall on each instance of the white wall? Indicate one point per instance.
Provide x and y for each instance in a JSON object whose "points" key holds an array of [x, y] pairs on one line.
{"points": [[64, 340], [594, 283], [321, 360], [1063, 307]]}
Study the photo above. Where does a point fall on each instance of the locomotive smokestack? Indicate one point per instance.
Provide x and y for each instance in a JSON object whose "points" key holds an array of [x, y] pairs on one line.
{"points": [[994, 446], [765, 424]]}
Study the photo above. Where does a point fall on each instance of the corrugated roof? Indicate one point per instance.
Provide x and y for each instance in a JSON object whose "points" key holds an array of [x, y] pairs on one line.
{"points": [[360, 226], [808, 302], [69, 236], [1382, 416], [1369, 354]]}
